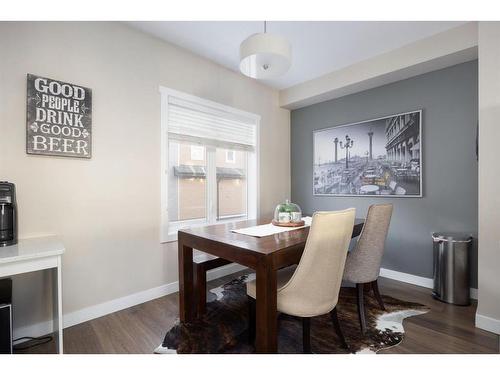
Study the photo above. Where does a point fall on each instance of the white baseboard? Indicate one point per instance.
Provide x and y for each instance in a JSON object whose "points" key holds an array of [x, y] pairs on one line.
{"points": [[96, 311], [407, 278], [416, 280], [34, 330], [473, 293], [488, 324], [224, 271], [483, 322]]}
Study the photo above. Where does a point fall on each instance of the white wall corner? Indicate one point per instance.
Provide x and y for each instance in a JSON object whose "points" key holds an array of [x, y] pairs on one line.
{"points": [[488, 312]]}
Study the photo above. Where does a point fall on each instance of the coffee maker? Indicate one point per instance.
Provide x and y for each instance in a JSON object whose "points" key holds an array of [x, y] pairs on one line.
{"points": [[8, 214]]}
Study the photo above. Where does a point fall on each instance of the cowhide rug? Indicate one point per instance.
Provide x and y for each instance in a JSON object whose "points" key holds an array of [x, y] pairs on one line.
{"points": [[224, 327]]}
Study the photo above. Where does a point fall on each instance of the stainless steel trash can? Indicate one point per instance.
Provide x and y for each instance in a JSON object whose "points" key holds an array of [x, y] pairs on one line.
{"points": [[451, 267]]}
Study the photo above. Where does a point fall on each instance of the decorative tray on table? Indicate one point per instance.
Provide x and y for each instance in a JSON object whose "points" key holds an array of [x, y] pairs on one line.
{"points": [[300, 223]]}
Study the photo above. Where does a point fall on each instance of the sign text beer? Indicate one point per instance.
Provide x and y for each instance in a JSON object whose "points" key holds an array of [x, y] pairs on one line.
{"points": [[58, 118]]}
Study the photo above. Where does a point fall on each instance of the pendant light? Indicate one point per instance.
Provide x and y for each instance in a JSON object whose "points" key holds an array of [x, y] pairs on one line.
{"points": [[264, 56]]}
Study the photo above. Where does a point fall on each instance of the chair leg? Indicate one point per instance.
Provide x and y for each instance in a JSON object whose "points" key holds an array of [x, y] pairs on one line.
{"points": [[306, 335], [361, 307], [251, 320], [338, 330], [377, 294]]}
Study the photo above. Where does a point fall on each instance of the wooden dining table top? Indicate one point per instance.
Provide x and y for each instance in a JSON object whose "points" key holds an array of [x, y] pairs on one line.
{"points": [[262, 245]]}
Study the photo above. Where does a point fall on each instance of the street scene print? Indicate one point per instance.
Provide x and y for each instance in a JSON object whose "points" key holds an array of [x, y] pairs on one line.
{"points": [[380, 157], [58, 118]]}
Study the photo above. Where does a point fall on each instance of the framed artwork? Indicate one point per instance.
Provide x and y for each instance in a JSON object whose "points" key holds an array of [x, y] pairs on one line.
{"points": [[376, 158]]}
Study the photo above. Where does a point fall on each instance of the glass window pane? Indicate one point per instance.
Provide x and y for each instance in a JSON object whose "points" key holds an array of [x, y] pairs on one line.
{"points": [[197, 153], [231, 183], [186, 182]]}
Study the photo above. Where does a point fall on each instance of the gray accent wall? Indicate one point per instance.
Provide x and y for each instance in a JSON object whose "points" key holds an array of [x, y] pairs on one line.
{"points": [[449, 101]]}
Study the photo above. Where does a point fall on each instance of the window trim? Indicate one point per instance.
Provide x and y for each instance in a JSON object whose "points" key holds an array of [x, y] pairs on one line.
{"points": [[169, 234]]}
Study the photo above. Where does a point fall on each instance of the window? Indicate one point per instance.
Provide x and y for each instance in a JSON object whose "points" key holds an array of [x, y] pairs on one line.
{"points": [[231, 184], [230, 156], [209, 163], [197, 153], [186, 183]]}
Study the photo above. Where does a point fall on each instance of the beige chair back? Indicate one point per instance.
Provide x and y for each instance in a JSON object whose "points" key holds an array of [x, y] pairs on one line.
{"points": [[314, 287], [363, 262]]}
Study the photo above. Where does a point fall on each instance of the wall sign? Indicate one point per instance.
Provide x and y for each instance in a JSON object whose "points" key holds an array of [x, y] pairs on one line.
{"points": [[58, 118]]}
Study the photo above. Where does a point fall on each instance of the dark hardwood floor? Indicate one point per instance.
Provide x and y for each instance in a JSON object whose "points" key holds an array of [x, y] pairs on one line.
{"points": [[140, 329]]}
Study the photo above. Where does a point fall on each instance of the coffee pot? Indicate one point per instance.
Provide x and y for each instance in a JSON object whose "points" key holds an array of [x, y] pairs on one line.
{"points": [[8, 214]]}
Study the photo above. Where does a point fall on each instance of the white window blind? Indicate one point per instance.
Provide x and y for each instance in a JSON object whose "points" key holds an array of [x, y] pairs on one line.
{"points": [[197, 123]]}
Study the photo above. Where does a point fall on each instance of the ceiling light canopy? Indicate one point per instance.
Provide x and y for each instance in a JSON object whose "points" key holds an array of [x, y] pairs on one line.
{"points": [[264, 56]]}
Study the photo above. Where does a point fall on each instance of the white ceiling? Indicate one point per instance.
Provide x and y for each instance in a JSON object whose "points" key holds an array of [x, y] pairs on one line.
{"points": [[317, 47]]}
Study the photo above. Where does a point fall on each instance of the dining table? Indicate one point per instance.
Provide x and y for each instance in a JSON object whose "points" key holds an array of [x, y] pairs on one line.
{"points": [[265, 255]]}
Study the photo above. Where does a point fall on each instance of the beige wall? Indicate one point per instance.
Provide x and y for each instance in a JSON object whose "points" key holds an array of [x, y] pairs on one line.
{"points": [[107, 209], [489, 179]]}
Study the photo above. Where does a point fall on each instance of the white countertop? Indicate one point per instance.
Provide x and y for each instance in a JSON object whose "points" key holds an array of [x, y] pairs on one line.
{"points": [[31, 248]]}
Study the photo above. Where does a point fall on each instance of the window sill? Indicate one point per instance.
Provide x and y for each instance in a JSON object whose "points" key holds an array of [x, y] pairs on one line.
{"points": [[172, 235]]}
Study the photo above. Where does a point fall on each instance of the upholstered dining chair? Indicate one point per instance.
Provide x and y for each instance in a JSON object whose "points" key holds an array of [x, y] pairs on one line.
{"points": [[363, 262], [312, 287]]}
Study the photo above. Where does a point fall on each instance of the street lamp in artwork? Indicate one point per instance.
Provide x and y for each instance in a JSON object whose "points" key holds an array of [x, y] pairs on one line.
{"points": [[336, 141], [347, 145], [370, 134]]}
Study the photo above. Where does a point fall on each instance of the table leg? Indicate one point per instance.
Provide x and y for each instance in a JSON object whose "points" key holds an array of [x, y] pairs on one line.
{"points": [[200, 275], [186, 305], [57, 306], [266, 340]]}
